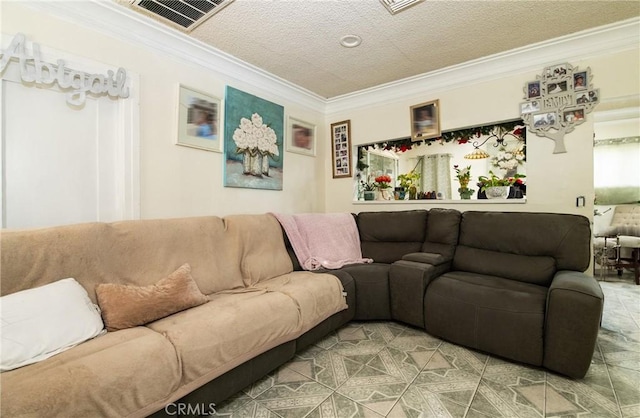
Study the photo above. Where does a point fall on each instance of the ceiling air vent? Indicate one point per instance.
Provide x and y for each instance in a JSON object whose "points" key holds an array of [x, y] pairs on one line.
{"points": [[186, 14], [395, 6]]}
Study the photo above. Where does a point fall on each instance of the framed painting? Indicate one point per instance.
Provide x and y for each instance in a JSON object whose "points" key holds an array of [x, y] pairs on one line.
{"points": [[425, 120], [198, 120], [253, 148], [301, 137], [341, 149]]}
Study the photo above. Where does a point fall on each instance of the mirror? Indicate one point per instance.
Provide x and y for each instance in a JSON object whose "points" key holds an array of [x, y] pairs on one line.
{"points": [[446, 168], [616, 153]]}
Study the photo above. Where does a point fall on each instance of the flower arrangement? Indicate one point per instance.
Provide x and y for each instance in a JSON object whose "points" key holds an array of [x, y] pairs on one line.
{"points": [[257, 142], [463, 175], [255, 136], [367, 187], [383, 182], [508, 159], [409, 179], [495, 181]]}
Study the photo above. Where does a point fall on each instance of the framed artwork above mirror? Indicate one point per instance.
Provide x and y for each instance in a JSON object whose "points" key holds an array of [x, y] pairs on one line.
{"points": [[425, 120]]}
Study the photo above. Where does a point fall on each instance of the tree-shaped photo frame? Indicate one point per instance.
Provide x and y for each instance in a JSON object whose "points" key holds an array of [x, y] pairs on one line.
{"points": [[557, 101]]}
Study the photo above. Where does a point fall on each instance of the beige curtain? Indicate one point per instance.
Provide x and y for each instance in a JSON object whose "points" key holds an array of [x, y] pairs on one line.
{"points": [[436, 174]]}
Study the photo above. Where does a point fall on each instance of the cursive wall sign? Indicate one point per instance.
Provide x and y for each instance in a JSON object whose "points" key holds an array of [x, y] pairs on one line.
{"points": [[34, 70]]}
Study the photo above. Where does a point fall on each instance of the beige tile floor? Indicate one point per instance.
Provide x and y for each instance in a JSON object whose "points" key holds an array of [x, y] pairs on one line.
{"points": [[385, 369]]}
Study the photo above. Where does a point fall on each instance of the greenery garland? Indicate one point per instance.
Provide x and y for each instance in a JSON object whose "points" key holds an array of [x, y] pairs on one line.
{"points": [[461, 136]]}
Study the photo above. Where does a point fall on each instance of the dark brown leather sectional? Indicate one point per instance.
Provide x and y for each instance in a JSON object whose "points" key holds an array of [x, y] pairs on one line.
{"points": [[509, 284]]}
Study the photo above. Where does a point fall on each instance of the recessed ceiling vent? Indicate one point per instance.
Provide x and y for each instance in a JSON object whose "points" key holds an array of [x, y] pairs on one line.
{"points": [[182, 14], [395, 6]]}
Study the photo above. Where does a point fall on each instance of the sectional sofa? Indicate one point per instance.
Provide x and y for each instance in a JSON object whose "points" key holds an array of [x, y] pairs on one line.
{"points": [[510, 284]]}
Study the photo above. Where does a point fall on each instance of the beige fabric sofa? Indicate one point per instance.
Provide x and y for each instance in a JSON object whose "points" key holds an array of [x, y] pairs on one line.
{"points": [[256, 303]]}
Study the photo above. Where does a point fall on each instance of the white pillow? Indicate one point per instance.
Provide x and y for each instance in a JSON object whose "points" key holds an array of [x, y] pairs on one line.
{"points": [[37, 323]]}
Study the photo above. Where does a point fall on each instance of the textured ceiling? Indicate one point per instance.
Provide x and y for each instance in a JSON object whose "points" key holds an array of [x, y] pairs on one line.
{"points": [[298, 40]]}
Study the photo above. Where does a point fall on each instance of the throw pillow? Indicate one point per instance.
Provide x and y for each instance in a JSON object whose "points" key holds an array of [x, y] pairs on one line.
{"points": [[125, 306], [37, 323]]}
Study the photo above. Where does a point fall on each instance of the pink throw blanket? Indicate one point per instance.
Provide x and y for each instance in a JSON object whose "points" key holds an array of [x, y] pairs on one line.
{"points": [[322, 240]]}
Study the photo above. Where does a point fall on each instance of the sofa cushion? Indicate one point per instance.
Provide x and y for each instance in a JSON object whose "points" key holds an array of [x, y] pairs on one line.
{"points": [[565, 238], [259, 243], [387, 236], [35, 257], [38, 323], [492, 314], [140, 363], [443, 227], [142, 252], [125, 306], [317, 295], [230, 329], [525, 268]]}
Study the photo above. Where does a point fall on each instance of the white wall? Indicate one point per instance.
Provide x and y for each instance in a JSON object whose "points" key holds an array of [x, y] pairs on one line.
{"points": [[179, 181], [176, 181], [553, 180]]}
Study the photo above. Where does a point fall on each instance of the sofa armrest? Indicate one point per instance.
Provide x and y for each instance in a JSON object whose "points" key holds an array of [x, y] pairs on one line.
{"points": [[427, 258], [574, 310], [408, 281]]}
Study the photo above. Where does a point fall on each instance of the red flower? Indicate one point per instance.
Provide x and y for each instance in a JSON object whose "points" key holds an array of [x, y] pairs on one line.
{"points": [[383, 179], [518, 132]]}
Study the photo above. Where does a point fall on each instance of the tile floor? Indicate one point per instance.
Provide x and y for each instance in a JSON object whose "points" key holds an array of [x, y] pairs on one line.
{"points": [[385, 369]]}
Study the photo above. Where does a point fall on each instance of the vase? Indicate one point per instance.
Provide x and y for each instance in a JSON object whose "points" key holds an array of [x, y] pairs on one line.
{"points": [[385, 194], [369, 195], [497, 192], [412, 192], [246, 162], [465, 193], [265, 165], [256, 165]]}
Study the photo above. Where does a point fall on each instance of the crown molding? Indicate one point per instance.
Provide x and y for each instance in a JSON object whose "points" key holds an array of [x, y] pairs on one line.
{"points": [[608, 39], [117, 21]]}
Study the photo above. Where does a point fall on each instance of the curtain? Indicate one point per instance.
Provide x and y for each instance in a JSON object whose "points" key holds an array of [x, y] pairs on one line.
{"points": [[617, 171], [436, 174]]}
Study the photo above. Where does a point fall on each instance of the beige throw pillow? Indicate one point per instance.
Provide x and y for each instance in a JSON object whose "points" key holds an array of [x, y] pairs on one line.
{"points": [[125, 306]]}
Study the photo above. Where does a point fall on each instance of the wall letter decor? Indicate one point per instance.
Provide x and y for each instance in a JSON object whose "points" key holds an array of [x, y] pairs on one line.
{"points": [[34, 70]]}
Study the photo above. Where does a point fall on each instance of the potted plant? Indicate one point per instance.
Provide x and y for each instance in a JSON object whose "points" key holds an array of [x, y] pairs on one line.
{"points": [[369, 190], [464, 176], [496, 187], [383, 184], [409, 182]]}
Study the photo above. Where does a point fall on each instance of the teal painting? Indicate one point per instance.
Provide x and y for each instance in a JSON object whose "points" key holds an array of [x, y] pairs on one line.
{"points": [[254, 138]]}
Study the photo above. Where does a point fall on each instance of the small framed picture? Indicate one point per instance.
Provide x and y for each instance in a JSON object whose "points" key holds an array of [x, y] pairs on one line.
{"points": [[533, 89], [542, 120], [341, 148], [556, 71], [559, 87], [302, 137], [580, 81], [530, 107], [199, 120], [425, 120], [573, 115]]}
